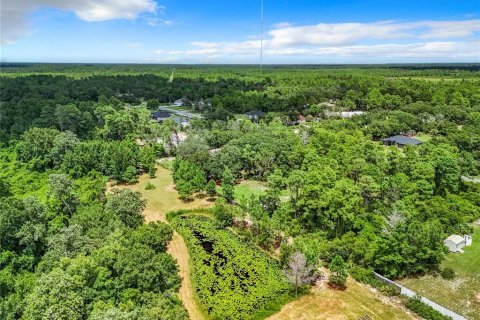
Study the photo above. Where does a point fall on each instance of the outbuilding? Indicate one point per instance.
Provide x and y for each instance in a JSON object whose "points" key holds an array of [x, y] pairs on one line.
{"points": [[400, 140], [455, 243]]}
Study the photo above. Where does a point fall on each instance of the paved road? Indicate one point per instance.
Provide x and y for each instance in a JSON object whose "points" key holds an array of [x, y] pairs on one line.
{"points": [[181, 112]]}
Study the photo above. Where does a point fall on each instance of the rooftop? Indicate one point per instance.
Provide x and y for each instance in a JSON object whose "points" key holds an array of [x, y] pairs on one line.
{"points": [[455, 238], [402, 140]]}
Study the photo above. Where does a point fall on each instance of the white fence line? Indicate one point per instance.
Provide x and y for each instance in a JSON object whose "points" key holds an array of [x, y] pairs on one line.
{"points": [[410, 293]]}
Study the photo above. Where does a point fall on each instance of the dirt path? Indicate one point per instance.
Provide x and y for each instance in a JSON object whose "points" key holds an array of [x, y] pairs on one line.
{"points": [[159, 201], [178, 250]]}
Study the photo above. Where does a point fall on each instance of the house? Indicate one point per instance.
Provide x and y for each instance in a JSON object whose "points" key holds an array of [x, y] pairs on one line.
{"points": [[255, 115], [343, 114], [181, 102], [160, 116], [455, 243], [400, 140], [472, 180]]}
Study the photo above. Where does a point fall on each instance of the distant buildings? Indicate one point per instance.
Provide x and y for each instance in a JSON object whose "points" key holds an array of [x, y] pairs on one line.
{"points": [[472, 180], [160, 116], [181, 102], [343, 114], [401, 141], [255, 115]]}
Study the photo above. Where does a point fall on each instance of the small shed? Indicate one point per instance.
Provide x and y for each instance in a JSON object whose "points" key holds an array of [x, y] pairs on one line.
{"points": [[455, 243], [400, 140]]}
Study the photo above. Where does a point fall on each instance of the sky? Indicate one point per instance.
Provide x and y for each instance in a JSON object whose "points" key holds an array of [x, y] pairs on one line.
{"points": [[228, 31]]}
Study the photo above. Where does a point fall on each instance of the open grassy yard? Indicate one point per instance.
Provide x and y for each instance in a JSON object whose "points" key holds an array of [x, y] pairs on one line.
{"points": [[247, 188], [423, 137], [461, 294], [164, 197], [356, 301]]}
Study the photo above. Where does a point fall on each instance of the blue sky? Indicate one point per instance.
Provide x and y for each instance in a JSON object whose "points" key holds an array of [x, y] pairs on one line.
{"points": [[214, 31]]}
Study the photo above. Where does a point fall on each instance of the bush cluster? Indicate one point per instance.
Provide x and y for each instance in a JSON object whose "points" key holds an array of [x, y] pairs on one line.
{"points": [[232, 279]]}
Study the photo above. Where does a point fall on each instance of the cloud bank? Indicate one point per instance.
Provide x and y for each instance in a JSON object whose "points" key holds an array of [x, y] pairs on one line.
{"points": [[456, 39], [14, 13]]}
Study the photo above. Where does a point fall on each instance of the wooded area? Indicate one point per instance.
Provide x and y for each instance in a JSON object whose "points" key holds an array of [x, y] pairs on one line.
{"points": [[334, 192]]}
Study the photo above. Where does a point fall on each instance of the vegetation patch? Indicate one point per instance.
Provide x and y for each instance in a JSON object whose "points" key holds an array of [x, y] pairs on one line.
{"points": [[232, 279]]}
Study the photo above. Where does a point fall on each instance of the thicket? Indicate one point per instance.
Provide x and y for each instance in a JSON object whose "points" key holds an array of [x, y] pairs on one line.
{"points": [[232, 279]]}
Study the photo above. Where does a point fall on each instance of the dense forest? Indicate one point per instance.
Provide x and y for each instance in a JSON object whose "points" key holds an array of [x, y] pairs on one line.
{"points": [[334, 192]]}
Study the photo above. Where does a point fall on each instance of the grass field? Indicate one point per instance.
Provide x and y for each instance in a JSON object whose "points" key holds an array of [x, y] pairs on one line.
{"points": [[247, 188], [356, 301], [461, 294], [164, 197]]}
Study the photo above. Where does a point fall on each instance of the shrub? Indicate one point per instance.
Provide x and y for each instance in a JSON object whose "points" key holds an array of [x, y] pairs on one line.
{"points": [[150, 186], [233, 280], [222, 213], [423, 310], [448, 273], [366, 276]]}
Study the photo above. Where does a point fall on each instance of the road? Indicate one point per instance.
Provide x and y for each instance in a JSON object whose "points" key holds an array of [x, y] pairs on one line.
{"points": [[181, 113]]}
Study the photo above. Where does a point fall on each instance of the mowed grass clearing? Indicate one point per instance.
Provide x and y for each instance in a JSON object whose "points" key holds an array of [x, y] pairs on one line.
{"points": [[245, 189], [164, 197], [354, 302], [461, 294]]}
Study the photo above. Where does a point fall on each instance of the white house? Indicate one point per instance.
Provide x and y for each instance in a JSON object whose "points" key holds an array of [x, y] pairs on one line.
{"points": [[180, 102], [455, 243]]}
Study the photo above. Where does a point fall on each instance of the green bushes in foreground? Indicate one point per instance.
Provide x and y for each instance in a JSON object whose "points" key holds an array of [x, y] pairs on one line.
{"points": [[423, 310], [232, 279]]}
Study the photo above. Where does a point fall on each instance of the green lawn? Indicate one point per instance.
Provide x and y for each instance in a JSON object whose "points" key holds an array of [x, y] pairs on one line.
{"points": [[246, 188], [462, 294], [356, 301], [423, 137]]}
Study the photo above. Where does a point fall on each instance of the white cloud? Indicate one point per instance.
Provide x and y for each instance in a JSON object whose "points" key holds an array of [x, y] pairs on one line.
{"points": [[160, 22], [412, 50], [327, 34], [14, 13], [281, 25], [384, 39]]}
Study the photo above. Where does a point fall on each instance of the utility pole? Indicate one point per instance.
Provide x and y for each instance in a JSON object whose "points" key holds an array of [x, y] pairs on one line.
{"points": [[261, 34]]}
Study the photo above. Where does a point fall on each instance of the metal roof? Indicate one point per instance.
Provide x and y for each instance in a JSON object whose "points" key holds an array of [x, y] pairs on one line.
{"points": [[455, 238], [403, 140]]}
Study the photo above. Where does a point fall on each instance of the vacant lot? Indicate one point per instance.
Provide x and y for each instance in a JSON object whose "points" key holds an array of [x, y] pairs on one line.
{"points": [[160, 200], [461, 294], [356, 301], [164, 197]]}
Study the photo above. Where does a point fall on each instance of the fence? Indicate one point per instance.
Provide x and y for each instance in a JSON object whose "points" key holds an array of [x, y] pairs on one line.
{"points": [[410, 293]]}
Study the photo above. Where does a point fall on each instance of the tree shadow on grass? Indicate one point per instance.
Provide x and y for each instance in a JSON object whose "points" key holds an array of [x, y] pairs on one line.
{"points": [[338, 287]]}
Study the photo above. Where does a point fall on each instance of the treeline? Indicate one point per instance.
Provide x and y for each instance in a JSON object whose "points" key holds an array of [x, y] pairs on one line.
{"points": [[55, 100]]}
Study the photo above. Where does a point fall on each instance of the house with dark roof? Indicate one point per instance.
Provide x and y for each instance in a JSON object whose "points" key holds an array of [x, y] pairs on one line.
{"points": [[254, 115], [160, 116], [401, 141]]}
